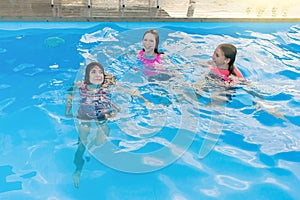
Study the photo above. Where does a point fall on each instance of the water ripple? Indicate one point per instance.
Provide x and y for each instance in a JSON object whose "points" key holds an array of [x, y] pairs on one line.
{"points": [[232, 182]]}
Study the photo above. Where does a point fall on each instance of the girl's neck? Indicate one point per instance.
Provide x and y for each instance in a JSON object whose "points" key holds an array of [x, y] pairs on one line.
{"points": [[149, 54], [224, 67], [94, 86]]}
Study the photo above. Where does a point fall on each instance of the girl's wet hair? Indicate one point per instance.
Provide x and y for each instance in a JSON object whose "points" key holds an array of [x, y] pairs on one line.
{"points": [[229, 51], [155, 33], [88, 69]]}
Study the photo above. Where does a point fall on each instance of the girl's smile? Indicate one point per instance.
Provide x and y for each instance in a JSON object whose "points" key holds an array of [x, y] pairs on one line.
{"points": [[149, 44]]}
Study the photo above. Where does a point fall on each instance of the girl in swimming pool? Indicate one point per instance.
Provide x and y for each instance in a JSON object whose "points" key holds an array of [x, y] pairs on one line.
{"points": [[223, 69], [151, 58], [222, 66], [95, 106], [222, 72]]}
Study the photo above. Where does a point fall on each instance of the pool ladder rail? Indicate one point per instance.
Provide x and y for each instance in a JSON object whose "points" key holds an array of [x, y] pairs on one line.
{"points": [[123, 3]]}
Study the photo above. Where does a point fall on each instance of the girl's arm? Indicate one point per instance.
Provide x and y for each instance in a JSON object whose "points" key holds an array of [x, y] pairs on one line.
{"points": [[262, 104], [69, 98], [134, 92], [69, 101], [137, 94]]}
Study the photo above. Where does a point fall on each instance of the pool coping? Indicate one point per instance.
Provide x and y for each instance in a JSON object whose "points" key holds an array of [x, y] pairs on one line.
{"points": [[140, 19]]}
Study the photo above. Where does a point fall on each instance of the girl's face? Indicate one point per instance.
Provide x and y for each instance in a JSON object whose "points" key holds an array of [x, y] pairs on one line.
{"points": [[96, 76], [149, 43], [219, 58]]}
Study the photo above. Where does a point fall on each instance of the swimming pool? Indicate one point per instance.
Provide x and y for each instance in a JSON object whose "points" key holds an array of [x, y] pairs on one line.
{"points": [[256, 155]]}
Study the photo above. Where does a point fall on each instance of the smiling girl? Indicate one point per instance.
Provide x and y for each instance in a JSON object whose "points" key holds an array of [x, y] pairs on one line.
{"points": [[151, 57]]}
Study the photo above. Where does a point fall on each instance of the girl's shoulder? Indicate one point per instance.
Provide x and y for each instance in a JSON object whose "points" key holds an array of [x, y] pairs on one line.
{"points": [[140, 52]]}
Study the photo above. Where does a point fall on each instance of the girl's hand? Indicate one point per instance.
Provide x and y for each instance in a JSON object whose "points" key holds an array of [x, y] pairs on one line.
{"points": [[110, 115], [110, 79]]}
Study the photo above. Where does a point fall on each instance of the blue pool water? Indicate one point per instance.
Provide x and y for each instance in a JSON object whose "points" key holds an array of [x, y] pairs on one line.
{"points": [[155, 153]]}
